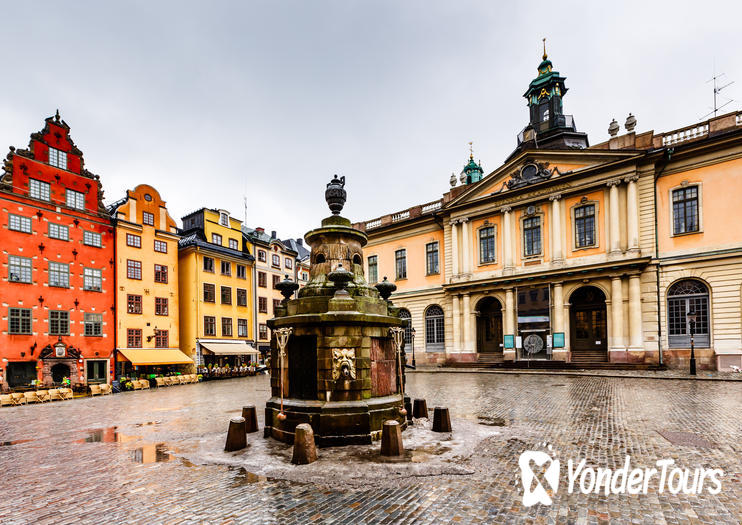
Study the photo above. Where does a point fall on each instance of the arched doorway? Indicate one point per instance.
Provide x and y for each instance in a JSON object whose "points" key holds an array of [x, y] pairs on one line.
{"points": [[489, 326], [59, 372], [589, 332]]}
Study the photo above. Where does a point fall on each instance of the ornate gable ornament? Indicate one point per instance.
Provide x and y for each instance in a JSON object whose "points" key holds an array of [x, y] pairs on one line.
{"points": [[530, 173]]}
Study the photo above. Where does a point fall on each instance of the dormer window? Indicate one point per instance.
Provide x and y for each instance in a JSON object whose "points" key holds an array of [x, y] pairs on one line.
{"points": [[224, 219], [57, 158]]}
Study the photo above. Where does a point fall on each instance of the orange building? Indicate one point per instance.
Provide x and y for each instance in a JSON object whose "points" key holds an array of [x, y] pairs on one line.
{"points": [[57, 286]]}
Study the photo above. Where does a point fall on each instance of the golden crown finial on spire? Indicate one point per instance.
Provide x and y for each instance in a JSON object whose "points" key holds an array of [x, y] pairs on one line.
{"points": [[545, 55], [471, 150]]}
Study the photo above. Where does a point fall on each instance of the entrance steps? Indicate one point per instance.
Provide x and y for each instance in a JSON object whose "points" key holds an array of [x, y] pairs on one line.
{"points": [[495, 361]]}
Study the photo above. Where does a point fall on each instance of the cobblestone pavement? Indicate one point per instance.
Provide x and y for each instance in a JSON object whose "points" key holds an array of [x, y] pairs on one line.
{"points": [[65, 463], [674, 373]]}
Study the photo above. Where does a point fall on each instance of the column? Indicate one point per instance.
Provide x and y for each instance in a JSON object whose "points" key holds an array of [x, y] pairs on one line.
{"points": [[615, 216], [556, 228], [454, 248], [467, 324], [616, 314], [632, 213], [635, 313], [456, 325], [508, 354], [507, 238], [466, 251]]}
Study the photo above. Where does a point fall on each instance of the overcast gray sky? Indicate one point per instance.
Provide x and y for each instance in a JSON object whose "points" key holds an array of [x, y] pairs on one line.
{"points": [[210, 101]]}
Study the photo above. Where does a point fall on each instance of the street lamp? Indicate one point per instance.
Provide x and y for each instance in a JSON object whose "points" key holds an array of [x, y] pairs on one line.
{"points": [[692, 316], [412, 336]]}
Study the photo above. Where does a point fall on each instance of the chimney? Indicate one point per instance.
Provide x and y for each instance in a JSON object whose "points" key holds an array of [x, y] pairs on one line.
{"points": [[300, 242], [260, 230], [273, 234]]}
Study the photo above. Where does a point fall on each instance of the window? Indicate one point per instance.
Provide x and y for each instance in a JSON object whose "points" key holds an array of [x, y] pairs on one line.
{"points": [[148, 218], [59, 274], [57, 158], [208, 264], [487, 245], [234, 244], [209, 325], [241, 297], [161, 246], [92, 279], [226, 268], [276, 280], [19, 269], [431, 258], [263, 331], [74, 199], [373, 269], [19, 224], [263, 305], [209, 293], [133, 269], [162, 339], [59, 322], [262, 280], [241, 327], [161, 306], [685, 210], [288, 263], [682, 297], [19, 320], [160, 273], [585, 226], [91, 239], [39, 190], [400, 258], [134, 337], [223, 219], [405, 314], [93, 325], [276, 260], [276, 305], [216, 239], [434, 329], [58, 231], [226, 295], [241, 271], [226, 327], [261, 255], [532, 236], [134, 304], [134, 240]]}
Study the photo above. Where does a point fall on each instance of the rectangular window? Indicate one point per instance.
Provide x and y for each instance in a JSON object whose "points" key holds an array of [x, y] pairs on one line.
{"points": [[93, 325], [92, 279], [208, 264], [226, 268], [373, 269], [59, 231], [223, 219], [74, 199], [59, 274], [263, 305], [263, 331], [133, 269], [19, 320], [134, 338], [134, 304], [216, 239], [276, 280], [19, 224], [226, 327], [487, 245], [400, 258], [39, 190], [276, 305], [241, 297], [209, 293], [261, 255], [57, 158], [160, 273], [234, 244], [532, 236], [91, 239], [162, 338], [276, 261], [161, 246], [585, 226], [148, 218], [59, 322], [262, 280], [241, 327], [289, 264], [226, 295], [241, 271], [209, 325], [134, 240], [161, 306], [431, 258], [19, 269], [685, 210]]}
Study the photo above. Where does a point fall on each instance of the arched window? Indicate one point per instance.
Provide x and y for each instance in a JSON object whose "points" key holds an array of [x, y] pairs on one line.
{"points": [[405, 314], [434, 329], [682, 297]]}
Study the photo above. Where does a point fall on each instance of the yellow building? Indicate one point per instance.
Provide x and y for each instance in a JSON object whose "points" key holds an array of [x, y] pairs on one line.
{"points": [[216, 290], [147, 318]]}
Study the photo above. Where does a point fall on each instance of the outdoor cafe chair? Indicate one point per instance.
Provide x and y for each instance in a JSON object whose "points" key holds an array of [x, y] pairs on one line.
{"points": [[43, 396], [31, 396], [5, 400], [18, 398], [65, 393], [95, 390], [54, 394]]}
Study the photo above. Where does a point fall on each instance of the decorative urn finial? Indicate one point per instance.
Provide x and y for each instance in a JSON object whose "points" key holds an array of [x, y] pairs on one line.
{"points": [[385, 288], [340, 277], [453, 180], [630, 123], [287, 287], [613, 128], [335, 194]]}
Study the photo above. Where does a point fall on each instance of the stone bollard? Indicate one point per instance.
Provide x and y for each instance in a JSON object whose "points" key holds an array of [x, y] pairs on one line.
{"points": [[408, 407], [251, 418], [305, 451], [441, 420], [236, 438], [420, 409], [391, 439]]}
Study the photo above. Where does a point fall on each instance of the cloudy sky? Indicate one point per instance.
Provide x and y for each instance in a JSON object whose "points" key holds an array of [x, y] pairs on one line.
{"points": [[211, 101]]}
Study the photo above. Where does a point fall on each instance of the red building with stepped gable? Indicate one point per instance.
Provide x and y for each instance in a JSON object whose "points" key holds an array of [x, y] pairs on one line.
{"points": [[57, 288]]}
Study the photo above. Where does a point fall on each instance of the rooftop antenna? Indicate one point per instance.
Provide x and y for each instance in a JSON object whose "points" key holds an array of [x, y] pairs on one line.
{"points": [[717, 90]]}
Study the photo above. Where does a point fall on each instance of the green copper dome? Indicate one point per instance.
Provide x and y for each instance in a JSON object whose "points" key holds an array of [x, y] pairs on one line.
{"points": [[472, 172]]}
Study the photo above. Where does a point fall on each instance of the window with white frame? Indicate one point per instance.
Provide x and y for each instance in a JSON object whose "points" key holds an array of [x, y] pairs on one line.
{"points": [[684, 297], [161, 246], [685, 210], [241, 327], [59, 274], [19, 223], [224, 219], [59, 231], [234, 244], [19, 269], [39, 189], [57, 158], [216, 239], [148, 218], [74, 199], [434, 329], [92, 279], [288, 263], [93, 325], [134, 241], [91, 239]]}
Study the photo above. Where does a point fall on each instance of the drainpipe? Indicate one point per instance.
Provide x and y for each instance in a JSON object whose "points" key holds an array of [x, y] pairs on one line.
{"points": [[668, 156], [115, 297]]}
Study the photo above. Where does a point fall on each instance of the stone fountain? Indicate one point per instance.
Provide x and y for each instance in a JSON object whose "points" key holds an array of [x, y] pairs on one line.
{"points": [[336, 358]]}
